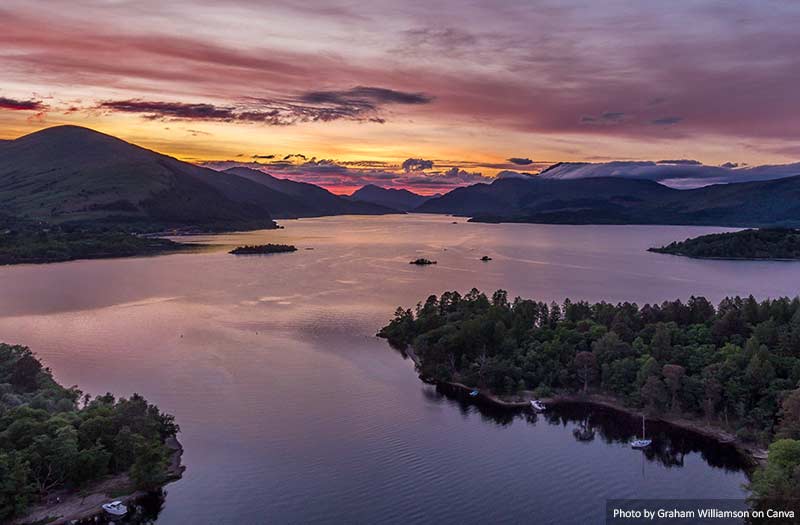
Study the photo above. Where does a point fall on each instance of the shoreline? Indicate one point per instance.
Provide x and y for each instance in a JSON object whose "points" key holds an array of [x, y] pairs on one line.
{"points": [[754, 454], [83, 504], [710, 258]]}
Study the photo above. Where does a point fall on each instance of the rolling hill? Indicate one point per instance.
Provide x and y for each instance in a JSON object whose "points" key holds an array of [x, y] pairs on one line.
{"points": [[70, 174], [74, 175]]}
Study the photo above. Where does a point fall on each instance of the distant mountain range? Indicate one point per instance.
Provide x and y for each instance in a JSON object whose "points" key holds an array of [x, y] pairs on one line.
{"points": [[301, 199], [617, 200], [70, 174], [399, 199]]}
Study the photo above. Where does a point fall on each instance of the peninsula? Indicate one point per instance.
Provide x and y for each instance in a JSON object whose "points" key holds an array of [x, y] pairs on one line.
{"points": [[733, 367], [772, 243], [62, 453]]}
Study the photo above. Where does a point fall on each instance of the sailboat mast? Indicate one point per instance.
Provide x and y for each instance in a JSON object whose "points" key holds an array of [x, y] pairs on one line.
{"points": [[643, 426]]}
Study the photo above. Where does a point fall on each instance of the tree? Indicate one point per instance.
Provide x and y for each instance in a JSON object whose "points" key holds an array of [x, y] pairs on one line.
{"points": [[150, 468], [713, 394], [789, 424], [661, 343], [15, 488], [610, 348], [25, 372], [673, 376], [654, 393], [585, 364], [780, 478]]}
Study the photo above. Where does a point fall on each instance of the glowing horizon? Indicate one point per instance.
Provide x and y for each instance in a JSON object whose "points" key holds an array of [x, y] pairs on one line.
{"points": [[469, 90]]}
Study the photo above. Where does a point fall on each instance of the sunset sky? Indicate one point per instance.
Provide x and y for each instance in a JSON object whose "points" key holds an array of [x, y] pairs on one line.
{"points": [[342, 93]]}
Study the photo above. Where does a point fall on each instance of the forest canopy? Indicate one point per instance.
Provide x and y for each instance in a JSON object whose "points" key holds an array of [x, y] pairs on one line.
{"points": [[733, 364], [772, 243], [737, 364], [53, 438]]}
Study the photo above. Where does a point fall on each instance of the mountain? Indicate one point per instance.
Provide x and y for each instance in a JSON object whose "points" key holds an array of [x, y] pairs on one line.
{"points": [[616, 200], [302, 199], [70, 174], [399, 199]]}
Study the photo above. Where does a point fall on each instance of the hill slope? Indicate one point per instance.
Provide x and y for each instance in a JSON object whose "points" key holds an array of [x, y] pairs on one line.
{"points": [[615, 200], [303, 199], [391, 198], [73, 174]]}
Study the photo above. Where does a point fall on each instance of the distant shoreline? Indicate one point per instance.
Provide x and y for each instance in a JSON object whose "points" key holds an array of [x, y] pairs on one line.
{"points": [[86, 503]]}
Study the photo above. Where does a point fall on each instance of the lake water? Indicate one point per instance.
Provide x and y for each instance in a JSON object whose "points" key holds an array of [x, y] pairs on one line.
{"points": [[292, 411]]}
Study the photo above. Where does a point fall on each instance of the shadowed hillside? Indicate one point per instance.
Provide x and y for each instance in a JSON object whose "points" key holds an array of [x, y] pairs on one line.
{"points": [[617, 200], [302, 199], [73, 174]]}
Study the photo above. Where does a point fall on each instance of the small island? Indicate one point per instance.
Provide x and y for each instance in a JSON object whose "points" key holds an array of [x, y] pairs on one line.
{"points": [[731, 372], [486, 258], [422, 261], [63, 454], [263, 249], [763, 244]]}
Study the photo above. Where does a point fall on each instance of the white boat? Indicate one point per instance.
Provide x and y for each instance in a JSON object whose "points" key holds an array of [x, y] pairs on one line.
{"points": [[115, 508], [538, 405], [641, 443]]}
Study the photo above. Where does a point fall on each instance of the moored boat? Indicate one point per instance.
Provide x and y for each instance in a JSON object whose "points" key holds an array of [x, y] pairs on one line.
{"points": [[115, 508], [538, 405], [641, 443]]}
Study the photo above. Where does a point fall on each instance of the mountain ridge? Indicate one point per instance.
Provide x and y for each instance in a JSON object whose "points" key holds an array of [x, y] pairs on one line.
{"points": [[618, 200], [401, 199]]}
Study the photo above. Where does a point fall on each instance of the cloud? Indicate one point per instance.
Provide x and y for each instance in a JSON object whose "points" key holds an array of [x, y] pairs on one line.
{"points": [[508, 174], [609, 117], [417, 165], [683, 162], [21, 105], [361, 104], [666, 121], [343, 177], [520, 161], [265, 157], [363, 96], [680, 175]]}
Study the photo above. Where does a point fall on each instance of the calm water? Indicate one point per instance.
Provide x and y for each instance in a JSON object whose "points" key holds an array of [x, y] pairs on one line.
{"points": [[293, 412]]}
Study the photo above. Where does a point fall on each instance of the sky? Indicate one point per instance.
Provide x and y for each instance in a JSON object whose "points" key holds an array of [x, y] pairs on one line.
{"points": [[419, 94]]}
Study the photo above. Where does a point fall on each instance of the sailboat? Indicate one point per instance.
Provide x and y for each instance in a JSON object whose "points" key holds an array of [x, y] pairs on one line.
{"points": [[644, 442]]}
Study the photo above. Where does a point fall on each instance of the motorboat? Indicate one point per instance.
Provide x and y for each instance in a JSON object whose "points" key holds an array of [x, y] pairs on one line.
{"points": [[538, 405], [115, 508], [474, 393]]}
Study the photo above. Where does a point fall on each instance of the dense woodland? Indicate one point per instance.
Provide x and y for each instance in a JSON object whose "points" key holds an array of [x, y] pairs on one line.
{"points": [[52, 437], [736, 365], [773, 243], [31, 242]]}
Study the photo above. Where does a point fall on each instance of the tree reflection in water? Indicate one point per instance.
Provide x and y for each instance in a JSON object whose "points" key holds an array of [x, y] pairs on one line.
{"points": [[589, 422]]}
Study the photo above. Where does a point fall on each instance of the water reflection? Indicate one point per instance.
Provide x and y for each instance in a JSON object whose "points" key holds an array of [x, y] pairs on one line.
{"points": [[670, 445]]}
